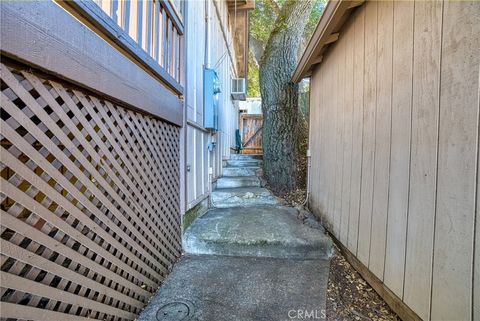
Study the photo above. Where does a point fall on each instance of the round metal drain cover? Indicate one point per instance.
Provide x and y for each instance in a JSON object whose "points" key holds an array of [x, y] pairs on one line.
{"points": [[173, 311]]}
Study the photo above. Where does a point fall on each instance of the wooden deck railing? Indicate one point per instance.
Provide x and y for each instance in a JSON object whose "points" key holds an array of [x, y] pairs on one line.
{"points": [[150, 30]]}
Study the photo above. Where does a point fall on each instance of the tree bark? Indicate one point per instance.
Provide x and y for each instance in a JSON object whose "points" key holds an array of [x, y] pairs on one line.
{"points": [[280, 96]]}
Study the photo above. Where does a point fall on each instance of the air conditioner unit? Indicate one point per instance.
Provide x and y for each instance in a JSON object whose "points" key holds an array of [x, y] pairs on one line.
{"points": [[239, 89]]}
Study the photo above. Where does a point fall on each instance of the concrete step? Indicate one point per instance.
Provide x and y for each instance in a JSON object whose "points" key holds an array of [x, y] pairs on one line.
{"points": [[242, 181], [243, 163], [245, 156], [242, 196], [242, 171], [261, 231]]}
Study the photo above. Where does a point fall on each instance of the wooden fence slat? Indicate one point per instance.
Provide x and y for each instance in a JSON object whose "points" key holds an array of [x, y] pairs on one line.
{"points": [[10, 310], [119, 151], [91, 186], [160, 166], [251, 131], [85, 232], [457, 162], [339, 110], [104, 149], [48, 216], [135, 154], [39, 237], [159, 162], [143, 173], [383, 121], [6, 131], [357, 131], [400, 146], [423, 162], [330, 103], [28, 286], [9, 79], [20, 254], [7, 159], [66, 120], [347, 150], [368, 158]]}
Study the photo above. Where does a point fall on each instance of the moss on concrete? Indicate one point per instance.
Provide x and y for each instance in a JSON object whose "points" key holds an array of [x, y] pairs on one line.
{"points": [[193, 213]]}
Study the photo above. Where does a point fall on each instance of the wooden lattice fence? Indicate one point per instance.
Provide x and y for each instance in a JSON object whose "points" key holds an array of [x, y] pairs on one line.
{"points": [[90, 219]]}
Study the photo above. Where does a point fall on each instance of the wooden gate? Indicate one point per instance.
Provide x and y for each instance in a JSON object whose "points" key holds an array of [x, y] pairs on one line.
{"points": [[251, 131]]}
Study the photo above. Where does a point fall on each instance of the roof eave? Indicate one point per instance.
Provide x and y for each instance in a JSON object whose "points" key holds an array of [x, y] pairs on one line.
{"points": [[332, 19]]}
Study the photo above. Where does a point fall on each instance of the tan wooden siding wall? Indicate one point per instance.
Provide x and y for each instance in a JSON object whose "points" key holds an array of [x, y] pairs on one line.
{"points": [[394, 141], [90, 220]]}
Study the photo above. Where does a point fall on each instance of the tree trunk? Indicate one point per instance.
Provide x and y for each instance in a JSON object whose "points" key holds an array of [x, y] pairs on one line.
{"points": [[280, 96]]}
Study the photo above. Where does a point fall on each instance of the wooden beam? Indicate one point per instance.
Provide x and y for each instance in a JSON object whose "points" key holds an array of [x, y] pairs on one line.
{"points": [[96, 19], [335, 14], [330, 21], [317, 60], [241, 5], [172, 13], [43, 35], [354, 4], [332, 38]]}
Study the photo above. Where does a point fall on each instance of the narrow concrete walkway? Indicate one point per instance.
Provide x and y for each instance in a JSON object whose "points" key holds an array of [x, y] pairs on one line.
{"points": [[249, 258]]}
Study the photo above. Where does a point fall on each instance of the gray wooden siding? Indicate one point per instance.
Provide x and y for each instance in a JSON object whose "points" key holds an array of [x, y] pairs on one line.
{"points": [[394, 142], [199, 159], [79, 55]]}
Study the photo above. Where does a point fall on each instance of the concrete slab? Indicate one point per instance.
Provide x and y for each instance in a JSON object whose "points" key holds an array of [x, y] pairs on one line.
{"points": [[242, 171], [216, 288], [241, 181], [242, 196], [261, 231]]}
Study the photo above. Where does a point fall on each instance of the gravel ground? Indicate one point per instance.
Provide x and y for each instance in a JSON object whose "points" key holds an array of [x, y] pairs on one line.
{"points": [[349, 297]]}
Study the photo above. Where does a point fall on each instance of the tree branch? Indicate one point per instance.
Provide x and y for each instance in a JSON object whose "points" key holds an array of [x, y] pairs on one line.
{"points": [[274, 5]]}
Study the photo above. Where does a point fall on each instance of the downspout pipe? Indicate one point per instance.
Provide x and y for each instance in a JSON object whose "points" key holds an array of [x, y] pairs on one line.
{"points": [[207, 33], [206, 63], [184, 142], [309, 156]]}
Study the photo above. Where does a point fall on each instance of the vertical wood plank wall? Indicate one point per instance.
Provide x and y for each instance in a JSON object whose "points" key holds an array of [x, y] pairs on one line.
{"points": [[394, 141]]}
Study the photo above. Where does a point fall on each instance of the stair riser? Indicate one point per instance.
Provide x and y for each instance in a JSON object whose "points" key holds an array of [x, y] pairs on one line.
{"points": [[245, 156], [224, 200], [318, 251], [239, 171], [233, 183], [244, 163], [255, 202]]}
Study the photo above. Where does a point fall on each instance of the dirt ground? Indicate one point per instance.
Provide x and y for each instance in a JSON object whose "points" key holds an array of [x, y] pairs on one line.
{"points": [[349, 297]]}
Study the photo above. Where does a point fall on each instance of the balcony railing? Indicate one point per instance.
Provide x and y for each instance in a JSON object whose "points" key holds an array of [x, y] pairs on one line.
{"points": [[150, 30]]}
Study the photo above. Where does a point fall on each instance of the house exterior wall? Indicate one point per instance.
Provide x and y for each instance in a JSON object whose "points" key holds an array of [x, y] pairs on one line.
{"points": [[215, 52], [394, 144]]}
